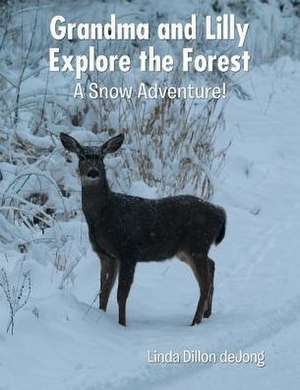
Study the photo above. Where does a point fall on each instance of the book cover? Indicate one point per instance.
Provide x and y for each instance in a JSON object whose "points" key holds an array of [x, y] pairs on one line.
{"points": [[149, 196]]}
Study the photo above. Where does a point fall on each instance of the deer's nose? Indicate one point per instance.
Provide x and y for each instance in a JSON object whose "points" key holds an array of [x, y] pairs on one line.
{"points": [[93, 173]]}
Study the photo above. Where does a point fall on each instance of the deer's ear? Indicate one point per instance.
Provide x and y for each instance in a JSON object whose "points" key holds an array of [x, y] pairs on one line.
{"points": [[112, 145], [70, 143]]}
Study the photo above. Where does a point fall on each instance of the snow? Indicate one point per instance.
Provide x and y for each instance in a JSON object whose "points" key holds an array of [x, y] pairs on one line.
{"points": [[62, 341]]}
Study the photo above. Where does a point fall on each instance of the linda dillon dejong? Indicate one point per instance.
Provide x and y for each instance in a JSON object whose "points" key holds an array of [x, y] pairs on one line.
{"points": [[197, 356], [96, 91]]}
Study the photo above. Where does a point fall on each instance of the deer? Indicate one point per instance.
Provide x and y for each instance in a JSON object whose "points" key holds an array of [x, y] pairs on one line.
{"points": [[124, 230]]}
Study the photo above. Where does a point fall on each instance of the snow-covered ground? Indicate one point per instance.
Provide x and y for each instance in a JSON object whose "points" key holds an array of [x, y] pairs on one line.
{"points": [[62, 343]]}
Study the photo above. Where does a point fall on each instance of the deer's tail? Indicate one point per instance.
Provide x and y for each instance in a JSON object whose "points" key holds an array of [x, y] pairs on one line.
{"points": [[222, 230]]}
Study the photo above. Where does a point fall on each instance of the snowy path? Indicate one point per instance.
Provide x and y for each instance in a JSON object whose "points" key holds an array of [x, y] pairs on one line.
{"points": [[257, 298]]}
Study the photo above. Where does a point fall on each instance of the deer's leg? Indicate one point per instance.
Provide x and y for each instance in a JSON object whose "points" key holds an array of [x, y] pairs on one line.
{"points": [[126, 275], [211, 266], [200, 267], [109, 270], [201, 271]]}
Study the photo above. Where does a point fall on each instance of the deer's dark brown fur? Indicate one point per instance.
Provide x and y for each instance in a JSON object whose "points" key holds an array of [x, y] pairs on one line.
{"points": [[125, 229]]}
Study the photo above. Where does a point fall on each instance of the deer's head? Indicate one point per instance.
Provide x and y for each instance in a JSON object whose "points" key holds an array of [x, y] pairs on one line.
{"points": [[91, 164]]}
